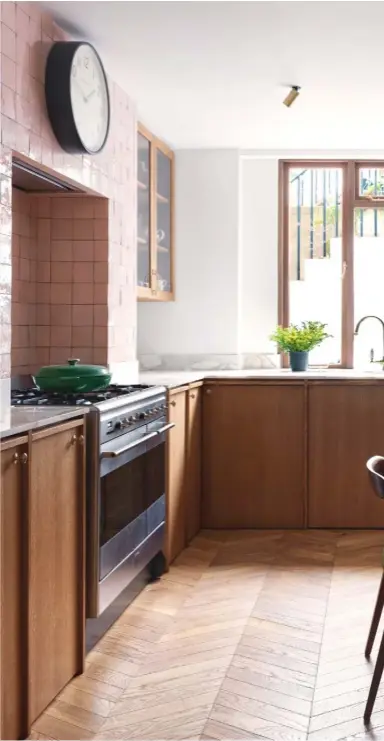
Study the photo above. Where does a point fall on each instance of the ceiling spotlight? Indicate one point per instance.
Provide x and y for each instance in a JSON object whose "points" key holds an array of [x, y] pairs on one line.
{"points": [[292, 95]]}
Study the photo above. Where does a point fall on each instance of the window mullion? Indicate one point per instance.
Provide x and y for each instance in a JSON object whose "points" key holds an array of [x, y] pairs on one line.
{"points": [[347, 321]]}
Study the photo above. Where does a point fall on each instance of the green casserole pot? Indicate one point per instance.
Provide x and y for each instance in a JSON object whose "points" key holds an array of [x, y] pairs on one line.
{"points": [[73, 377]]}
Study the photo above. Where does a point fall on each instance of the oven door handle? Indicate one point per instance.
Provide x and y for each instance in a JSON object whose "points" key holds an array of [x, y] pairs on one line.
{"points": [[136, 443], [165, 428]]}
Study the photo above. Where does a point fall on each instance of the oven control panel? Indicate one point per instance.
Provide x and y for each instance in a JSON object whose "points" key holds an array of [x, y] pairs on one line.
{"points": [[138, 418], [131, 418]]}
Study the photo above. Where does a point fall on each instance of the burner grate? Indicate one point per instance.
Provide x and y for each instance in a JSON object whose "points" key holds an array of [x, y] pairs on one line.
{"points": [[36, 397]]}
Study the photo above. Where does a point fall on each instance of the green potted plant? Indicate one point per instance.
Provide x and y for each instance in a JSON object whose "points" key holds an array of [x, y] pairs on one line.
{"points": [[298, 341]]}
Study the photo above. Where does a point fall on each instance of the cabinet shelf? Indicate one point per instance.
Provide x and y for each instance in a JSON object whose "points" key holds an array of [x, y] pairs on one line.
{"points": [[162, 199], [160, 248]]}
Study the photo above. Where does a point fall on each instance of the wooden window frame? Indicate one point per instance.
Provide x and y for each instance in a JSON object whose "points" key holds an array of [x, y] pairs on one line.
{"points": [[351, 199]]}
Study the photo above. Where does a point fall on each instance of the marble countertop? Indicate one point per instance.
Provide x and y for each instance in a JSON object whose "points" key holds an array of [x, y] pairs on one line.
{"points": [[172, 379], [21, 419]]}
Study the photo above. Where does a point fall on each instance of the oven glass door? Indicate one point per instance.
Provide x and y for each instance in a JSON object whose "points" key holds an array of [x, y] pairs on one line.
{"points": [[132, 501]]}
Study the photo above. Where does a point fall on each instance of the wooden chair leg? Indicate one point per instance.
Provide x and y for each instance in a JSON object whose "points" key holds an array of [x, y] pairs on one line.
{"points": [[378, 671], [376, 618]]}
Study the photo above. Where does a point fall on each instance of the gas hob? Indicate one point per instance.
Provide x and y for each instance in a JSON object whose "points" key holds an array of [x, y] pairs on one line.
{"points": [[35, 397]]}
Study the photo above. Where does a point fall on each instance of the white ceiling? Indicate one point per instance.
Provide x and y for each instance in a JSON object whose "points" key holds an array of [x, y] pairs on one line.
{"points": [[212, 74]]}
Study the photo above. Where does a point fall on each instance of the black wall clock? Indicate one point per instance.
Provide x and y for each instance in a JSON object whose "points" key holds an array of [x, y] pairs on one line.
{"points": [[77, 97]]}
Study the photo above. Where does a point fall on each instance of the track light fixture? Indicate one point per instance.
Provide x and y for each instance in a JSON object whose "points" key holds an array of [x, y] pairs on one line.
{"points": [[292, 95]]}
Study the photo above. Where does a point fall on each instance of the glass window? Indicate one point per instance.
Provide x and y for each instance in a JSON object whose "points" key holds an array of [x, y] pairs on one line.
{"points": [[368, 282], [371, 182], [315, 254]]}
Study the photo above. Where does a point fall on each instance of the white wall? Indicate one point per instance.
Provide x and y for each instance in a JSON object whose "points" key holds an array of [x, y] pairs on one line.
{"points": [[204, 317], [258, 254], [226, 254]]}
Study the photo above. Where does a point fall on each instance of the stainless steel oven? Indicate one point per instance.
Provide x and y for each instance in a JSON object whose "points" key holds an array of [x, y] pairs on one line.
{"points": [[132, 494], [126, 490]]}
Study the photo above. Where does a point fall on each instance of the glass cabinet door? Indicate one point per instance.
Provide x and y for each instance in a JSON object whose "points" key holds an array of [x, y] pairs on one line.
{"points": [[143, 211], [163, 221]]}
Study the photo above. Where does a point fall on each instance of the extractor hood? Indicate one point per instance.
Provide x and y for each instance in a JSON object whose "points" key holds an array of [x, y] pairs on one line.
{"points": [[31, 180]]}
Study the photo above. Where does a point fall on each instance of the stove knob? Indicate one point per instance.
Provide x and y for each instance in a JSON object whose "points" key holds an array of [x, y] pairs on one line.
{"points": [[119, 425]]}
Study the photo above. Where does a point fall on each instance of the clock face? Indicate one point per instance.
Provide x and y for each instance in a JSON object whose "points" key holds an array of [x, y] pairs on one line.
{"points": [[89, 98]]}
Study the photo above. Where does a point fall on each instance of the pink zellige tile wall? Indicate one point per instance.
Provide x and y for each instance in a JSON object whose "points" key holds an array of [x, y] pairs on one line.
{"points": [[24, 234], [27, 32], [72, 279]]}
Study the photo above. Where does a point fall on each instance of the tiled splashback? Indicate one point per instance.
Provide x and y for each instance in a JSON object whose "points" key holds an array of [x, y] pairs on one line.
{"points": [[59, 280], [24, 236], [70, 310]]}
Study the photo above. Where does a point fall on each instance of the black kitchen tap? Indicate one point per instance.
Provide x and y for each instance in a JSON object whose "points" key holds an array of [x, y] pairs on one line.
{"points": [[370, 316]]}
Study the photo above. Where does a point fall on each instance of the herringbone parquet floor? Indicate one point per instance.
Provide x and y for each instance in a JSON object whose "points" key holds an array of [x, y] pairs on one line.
{"points": [[250, 635]]}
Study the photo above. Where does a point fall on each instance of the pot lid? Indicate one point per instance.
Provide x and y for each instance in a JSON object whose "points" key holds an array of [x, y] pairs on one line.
{"points": [[73, 368]]}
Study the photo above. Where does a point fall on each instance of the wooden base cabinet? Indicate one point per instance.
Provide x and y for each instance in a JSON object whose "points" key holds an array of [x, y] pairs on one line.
{"points": [[254, 455], [346, 427], [42, 520], [56, 562], [176, 475], [13, 578], [193, 465]]}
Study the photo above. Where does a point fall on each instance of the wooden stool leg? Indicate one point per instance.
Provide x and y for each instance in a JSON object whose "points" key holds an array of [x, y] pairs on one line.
{"points": [[375, 682], [376, 618]]}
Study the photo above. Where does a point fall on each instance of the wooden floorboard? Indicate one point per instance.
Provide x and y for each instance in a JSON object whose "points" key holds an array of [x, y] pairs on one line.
{"points": [[251, 634]]}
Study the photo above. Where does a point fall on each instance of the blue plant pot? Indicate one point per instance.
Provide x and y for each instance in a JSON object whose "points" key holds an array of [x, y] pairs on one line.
{"points": [[298, 361]]}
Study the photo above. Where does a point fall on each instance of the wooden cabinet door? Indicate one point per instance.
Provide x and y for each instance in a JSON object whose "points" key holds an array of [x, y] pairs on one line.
{"points": [[56, 562], [193, 468], [13, 577], [345, 429], [254, 455], [155, 199], [176, 479]]}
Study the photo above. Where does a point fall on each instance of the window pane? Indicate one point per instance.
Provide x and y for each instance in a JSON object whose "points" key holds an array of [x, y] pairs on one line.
{"points": [[368, 282], [143, 211], [315, 254], [163, 216], [371, 182]]}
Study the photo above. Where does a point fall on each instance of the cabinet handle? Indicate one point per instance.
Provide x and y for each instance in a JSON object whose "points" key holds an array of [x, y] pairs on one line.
{"points": [[81, 439], [73, 439], [192, 396], [208, 391], [24, 458], [16, 458], [173, 403]]}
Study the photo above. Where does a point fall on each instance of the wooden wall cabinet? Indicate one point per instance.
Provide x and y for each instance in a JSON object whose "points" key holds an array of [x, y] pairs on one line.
{"points": [[345, 428], [254, 455], [42, 519], [13, 572], [155, 198], [56, 562]]}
